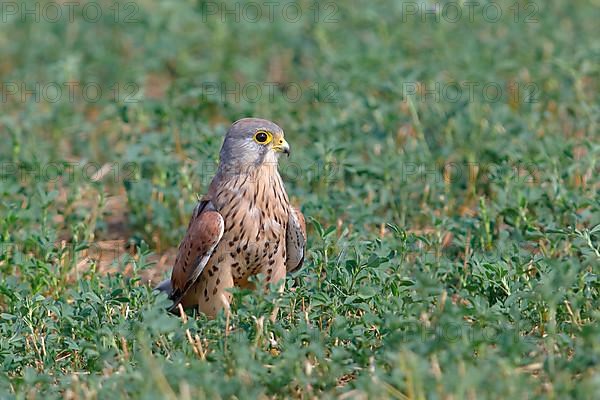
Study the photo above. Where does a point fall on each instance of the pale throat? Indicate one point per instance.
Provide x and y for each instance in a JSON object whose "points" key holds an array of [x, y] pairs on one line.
{"points": [[247, 179]]}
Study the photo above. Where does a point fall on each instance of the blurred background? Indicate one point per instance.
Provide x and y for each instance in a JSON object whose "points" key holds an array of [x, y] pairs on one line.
{"points": [[375, 97], [460, 128]]}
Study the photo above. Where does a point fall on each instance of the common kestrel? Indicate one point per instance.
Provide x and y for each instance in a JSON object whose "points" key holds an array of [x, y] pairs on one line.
{"points": [[244, 225]]}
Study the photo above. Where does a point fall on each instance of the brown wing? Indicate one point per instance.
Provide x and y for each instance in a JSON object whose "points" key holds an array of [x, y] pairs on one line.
{"points": [[203, 235], [295, 240]]}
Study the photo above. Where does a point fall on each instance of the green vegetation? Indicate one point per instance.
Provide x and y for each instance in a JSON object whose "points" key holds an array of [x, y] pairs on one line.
{"points": [[454, 237]]}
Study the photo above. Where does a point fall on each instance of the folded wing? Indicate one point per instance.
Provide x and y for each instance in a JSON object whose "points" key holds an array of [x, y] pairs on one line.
{"points": [[295, 240], [204, 232]]}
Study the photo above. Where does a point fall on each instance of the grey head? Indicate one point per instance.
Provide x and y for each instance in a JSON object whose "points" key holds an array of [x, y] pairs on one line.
{"points": [[251, 142]]}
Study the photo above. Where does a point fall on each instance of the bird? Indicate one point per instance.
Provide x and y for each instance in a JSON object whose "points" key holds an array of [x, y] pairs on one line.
{"points": [[243, 226]]}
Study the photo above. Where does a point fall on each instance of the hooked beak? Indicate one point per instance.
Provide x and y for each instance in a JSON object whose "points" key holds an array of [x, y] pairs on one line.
{"points": [[281, 146]]}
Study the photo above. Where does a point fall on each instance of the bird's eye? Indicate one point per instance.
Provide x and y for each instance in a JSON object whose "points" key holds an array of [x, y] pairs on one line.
{"points": [[262, 137]]}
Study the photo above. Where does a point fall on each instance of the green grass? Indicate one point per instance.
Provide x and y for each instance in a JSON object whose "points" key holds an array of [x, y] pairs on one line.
{"points": [[454, 246]]}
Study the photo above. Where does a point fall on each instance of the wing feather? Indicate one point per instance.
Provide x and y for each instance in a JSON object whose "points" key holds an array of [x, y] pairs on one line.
{"points": [[205, 230], [295, 240]]}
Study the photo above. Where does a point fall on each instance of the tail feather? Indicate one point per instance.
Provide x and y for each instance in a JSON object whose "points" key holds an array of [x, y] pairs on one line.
{"points": [[165, 287]]}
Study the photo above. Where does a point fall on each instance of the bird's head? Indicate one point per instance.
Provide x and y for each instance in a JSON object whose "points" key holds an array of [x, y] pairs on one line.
{"points": [[252, 142]]}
